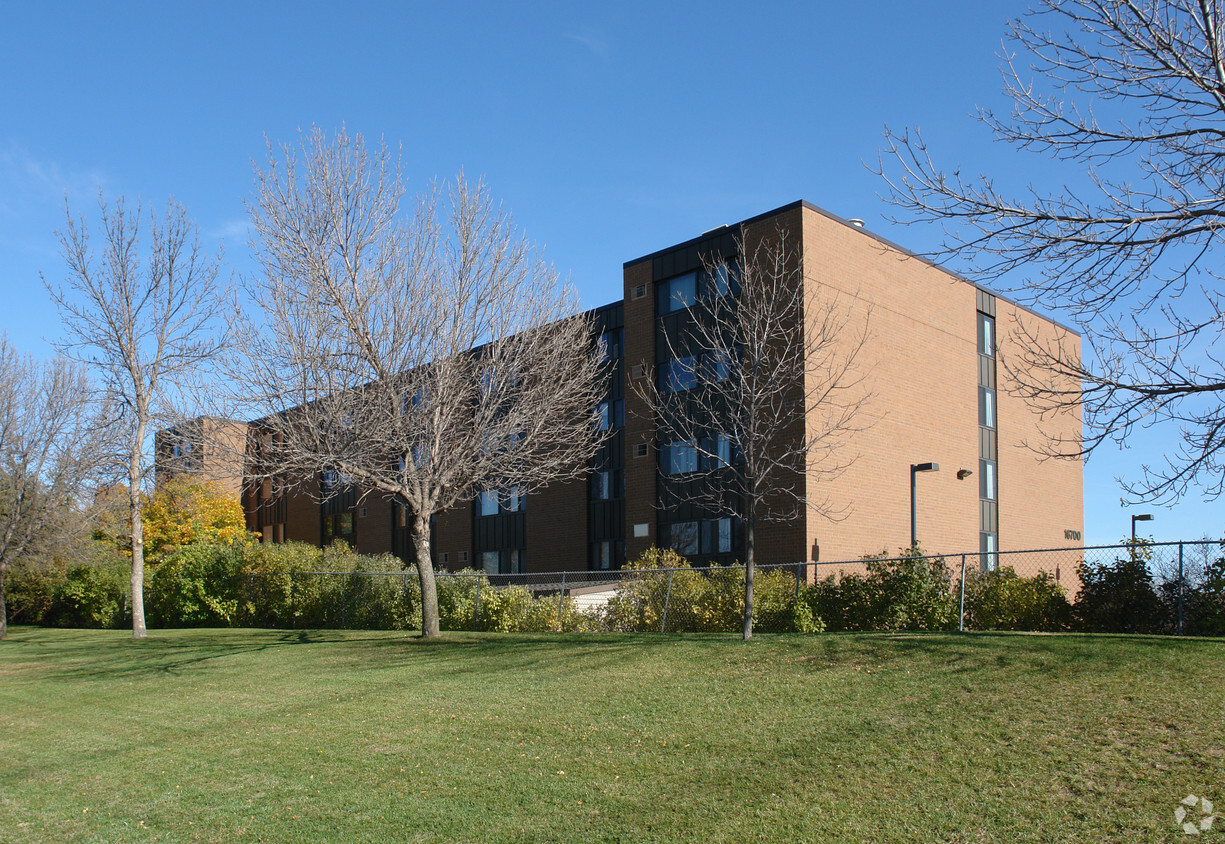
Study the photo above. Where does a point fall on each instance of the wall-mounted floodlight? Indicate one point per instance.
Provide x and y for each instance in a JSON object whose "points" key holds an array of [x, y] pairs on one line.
{"points": [[962, 474]]}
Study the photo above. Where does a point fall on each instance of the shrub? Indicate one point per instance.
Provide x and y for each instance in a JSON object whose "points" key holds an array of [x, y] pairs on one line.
{"points": [[195, 586], [1002, 600], [1118, 596], [704, 601], [910, 592], [90, 596]]}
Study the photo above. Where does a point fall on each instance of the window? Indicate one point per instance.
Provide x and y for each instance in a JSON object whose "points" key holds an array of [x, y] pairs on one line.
{"points": [[512, 500], [679, 458], [601, 554], [986, 407], [490, 561], [684, 537], [988, 545], [491, 502], [610, 414], [717, 536], [716, 367], [986, 335], [610, 344], [641, 449], [338, 526], [677, 293], [640, 291], [986, 483], [720, 280], [678, 375], [716, 452], [606, 485], [487, 503]]}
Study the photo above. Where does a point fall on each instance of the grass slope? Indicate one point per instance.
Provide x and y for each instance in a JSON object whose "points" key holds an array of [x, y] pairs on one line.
{"points": [[253, 735]]}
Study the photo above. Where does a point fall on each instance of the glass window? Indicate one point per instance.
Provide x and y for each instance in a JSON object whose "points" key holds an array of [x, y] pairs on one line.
{"points": [[680, 458], [491, 561], [716, 366], [986, 407], [487, 503], [720, 280], [606, 485], [610, 344], [989, 547], [610, 414], [678, 375], [986, 484], [716, 452], [677, 293], [986, 335], [684, 536], [513, 500], [717, 536]]}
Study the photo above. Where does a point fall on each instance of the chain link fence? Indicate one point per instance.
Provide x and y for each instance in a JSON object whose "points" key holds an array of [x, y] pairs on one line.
{"points": [[1176, 588]]}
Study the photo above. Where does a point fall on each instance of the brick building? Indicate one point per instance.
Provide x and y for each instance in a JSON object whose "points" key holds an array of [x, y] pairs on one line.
{"points": [[938, 396]]}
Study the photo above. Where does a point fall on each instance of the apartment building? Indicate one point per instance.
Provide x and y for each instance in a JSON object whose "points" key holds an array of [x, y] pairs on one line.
{"points": [[938, 395]]}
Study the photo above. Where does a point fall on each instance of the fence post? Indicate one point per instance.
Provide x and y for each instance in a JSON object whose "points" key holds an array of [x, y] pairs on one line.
{"points": [[667, 601], [293, 603], [251, 595], [343, 578], [476, 604], [961, 605], [561, 600], [1180, 588]]}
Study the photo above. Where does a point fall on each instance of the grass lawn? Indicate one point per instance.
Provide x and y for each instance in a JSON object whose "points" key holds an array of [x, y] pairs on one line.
{"points": [[255, 735]]}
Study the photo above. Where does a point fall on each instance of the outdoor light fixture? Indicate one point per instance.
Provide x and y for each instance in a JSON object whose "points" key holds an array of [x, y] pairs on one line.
{"points": [[916, 468], [1138, 517], [962, 474]]}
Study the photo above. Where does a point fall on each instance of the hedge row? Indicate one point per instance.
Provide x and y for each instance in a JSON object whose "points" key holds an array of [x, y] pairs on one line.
{"points": [[280, 586]]}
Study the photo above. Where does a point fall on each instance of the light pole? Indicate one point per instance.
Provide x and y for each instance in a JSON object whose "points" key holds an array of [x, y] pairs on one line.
{"points": [[1138, 517], [915, 468]]}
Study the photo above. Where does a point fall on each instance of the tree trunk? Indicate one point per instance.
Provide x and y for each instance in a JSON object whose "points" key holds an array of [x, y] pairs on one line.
{"points": [[4, 613], [138, 537], [425, 573], [748, 574]]}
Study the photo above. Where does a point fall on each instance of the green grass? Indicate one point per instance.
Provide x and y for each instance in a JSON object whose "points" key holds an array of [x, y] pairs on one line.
{"points": [[253, 735]]}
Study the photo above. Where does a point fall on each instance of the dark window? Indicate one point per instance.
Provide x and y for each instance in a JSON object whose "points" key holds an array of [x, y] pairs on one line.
{"points": [[678, 375], [610, 414], [717, 536], [986, 407], [684, 537], [716, 452], [988, 546], [986, 335], [679, 458], [987, 481], [606, 485], [610, 344], [677, 293]]}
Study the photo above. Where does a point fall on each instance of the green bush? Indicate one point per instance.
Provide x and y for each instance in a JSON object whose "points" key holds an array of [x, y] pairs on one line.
{"points": [[1118, 596], [1003, 600], [195, 586], [710, 601], [90, 596], [910, 592]]}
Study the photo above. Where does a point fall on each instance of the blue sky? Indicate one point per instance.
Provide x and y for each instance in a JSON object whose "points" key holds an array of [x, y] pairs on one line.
{"points": [[610, 130]]}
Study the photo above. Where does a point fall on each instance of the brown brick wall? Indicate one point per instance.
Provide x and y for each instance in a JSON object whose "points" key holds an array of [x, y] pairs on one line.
{"points": [[1039, 498], [556, 527], [453, 534], [302, 521], [374, 529], [920, 368]]}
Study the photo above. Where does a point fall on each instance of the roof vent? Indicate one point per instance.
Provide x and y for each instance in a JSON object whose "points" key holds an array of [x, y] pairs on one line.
{"points": [[715, 229], [856, 222]]}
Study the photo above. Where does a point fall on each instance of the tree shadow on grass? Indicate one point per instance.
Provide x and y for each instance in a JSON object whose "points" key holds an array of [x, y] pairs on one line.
{"points": [[111, 654]]}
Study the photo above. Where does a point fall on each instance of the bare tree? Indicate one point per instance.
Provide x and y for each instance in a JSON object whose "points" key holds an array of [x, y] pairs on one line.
{"points": [[1131, 96], [145, 323], [50, 438], [761, 392], [423, 360]]}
